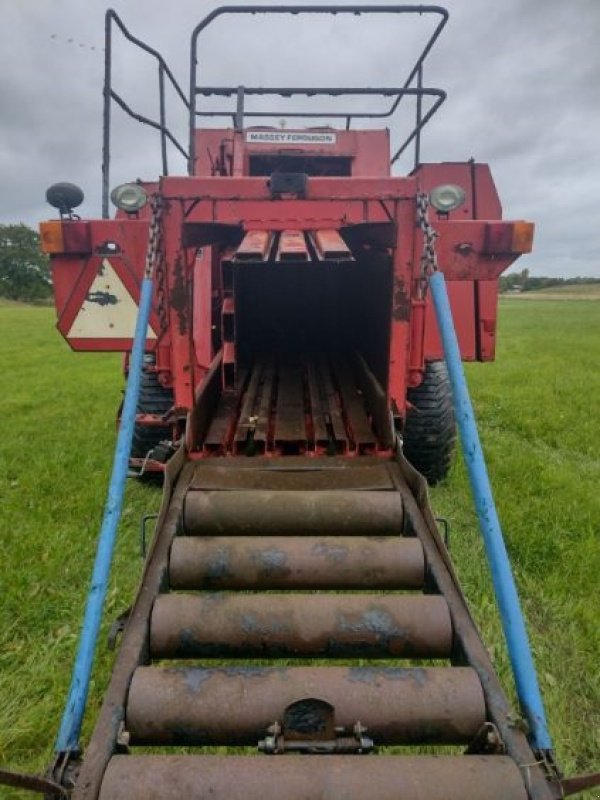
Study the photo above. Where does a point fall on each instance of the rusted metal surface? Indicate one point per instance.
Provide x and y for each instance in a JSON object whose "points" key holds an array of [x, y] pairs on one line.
{"points": [[359, 427], [236, 705], [254, 247], [239, 705], [296, 562], [286, 625], [326, 778], [269, 513], [330, 245], [290, 419], [292, 247], [297, 404], [294, 473], [32, 783], [580, 783]]}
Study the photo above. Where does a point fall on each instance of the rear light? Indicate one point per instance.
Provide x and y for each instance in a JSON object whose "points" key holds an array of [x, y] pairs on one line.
{"points": [[508, 237], [522, 237], [65, 236], [51, 237]]}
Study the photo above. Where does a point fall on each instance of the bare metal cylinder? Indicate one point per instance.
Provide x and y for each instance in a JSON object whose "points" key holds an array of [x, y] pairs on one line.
{"points": [[157, 777], [271, 513], [287, 625], [296, 562], [236, 705]]}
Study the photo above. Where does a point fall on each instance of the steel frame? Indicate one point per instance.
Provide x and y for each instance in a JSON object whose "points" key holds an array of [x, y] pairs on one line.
{"points": [[240, 92]]}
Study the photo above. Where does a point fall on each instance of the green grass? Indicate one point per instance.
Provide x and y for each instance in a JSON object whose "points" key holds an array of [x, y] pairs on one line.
{"points": [[537, 407]]}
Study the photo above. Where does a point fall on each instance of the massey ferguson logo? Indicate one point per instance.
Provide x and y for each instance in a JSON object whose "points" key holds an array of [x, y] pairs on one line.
{"points": [[289, 137]]}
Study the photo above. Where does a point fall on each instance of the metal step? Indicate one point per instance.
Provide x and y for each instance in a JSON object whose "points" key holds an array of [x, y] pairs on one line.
{"points": [[197, 777], [217, 625], [236, 705], [296, 562]]}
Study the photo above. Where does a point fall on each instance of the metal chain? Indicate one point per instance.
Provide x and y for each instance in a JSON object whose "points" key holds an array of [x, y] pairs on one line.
{"points": [[154, 235], [429, 256], [155, 260]]}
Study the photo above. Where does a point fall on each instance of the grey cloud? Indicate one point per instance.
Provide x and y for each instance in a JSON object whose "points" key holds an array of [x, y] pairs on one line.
{"points": [[523, 79]]}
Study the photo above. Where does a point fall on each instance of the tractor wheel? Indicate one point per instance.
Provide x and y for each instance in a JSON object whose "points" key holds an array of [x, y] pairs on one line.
{"points": [[153, 399], [430, 427]]}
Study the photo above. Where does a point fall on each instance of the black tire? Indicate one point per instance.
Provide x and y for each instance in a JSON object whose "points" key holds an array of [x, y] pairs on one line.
{"points": [[153, 399], [430, 428]]}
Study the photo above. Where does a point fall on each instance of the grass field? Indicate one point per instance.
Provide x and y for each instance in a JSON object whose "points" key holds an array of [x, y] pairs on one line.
{"points": [[538, 409], [583, 291]]}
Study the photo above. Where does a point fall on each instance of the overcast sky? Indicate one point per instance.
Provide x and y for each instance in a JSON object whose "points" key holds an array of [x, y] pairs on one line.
{"points": [[522, 76]]}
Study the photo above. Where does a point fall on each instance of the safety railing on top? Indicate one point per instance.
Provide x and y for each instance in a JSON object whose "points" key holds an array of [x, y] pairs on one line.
{"points": [[238, 112], [406, 89], [110, 95]]}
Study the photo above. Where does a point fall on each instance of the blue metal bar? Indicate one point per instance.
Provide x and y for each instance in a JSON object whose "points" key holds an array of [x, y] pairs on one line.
{"points": [[70, 728], [504, 585]]}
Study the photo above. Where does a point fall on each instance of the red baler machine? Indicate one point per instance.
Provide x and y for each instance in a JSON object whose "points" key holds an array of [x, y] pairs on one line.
{"points": [[291, 282]]}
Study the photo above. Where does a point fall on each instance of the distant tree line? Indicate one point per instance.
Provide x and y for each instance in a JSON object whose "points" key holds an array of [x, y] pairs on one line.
{"points": [[24, 270], [524, 282]]}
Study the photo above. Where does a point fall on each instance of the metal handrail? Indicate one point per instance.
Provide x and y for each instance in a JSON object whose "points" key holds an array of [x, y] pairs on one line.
{"points": [[190, 103], [416, 71], [109, 95]]}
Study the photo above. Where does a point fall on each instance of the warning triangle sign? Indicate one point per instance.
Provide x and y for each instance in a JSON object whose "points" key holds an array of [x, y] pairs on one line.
{"points": [[108, 311]]}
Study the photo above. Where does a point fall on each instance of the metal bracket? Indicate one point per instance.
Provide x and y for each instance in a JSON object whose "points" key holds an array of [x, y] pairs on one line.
{"points": [[580, 783], [487, 741], [117, 628], [446, 526], [275, 742], [143, 523], [32, 783]]}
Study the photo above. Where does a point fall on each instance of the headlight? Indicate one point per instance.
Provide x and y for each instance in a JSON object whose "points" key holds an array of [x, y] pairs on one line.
{"points": [[447, 197], [129, 197]]}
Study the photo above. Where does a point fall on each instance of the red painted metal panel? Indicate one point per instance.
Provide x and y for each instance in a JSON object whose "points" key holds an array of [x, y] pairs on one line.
{"points": [[461, 249], [404, 266], [178, 296], [246, 188], [368, 149], [462, 302], [481, 197], [487, 311], [202, 305]]}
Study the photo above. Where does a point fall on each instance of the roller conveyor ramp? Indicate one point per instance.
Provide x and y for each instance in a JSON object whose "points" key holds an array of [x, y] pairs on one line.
{"points": [[299, 632]]}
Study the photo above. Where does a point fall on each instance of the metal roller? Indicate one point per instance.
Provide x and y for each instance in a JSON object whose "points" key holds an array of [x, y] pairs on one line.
{"points": [[301, 777], [236, 706], [271, 513], [296, 562], [286, 625]]}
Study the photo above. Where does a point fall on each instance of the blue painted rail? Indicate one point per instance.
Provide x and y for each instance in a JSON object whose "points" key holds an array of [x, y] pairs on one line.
{"points": [[70, 727], [504, 584]]}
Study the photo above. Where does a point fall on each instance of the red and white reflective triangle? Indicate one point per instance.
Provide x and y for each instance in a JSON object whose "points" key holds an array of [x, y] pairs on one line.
{"points": [[108, 310]]}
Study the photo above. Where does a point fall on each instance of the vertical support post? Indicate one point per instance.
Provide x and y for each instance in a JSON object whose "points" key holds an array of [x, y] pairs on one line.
{"points": [[163, 117], [239, 109], [504, 584], [419, 120], [70, 728], [192, 119], [106, 112]]}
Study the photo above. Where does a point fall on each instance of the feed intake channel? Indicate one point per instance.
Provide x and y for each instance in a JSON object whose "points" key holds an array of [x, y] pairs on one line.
{"points": [[293, 406]]}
